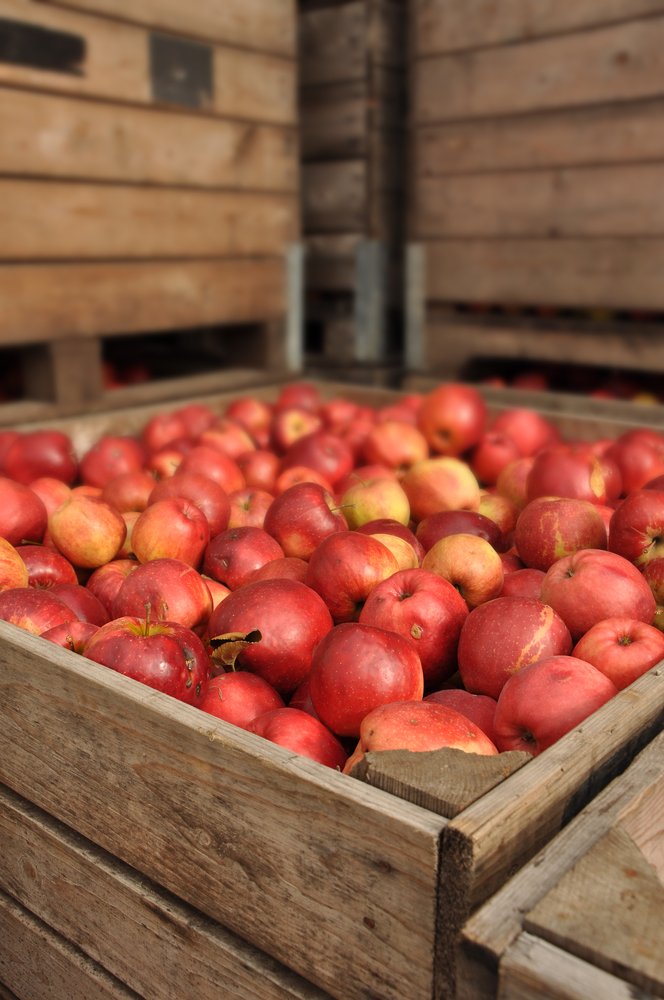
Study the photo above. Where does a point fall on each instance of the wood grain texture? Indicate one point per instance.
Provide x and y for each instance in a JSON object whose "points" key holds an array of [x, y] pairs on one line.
{"points": [[612, 64], [67, 137], [448, 25], [143, 296], [184, 800], [147, 938], [334, 196]]}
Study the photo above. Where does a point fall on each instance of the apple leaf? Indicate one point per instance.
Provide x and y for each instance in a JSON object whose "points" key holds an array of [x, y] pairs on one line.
{"points": [[226, 648]]}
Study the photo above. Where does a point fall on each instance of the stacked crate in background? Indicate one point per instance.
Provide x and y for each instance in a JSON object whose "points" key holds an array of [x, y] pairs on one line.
{"points": [[352, 113], [149, 185], [536, 223]]}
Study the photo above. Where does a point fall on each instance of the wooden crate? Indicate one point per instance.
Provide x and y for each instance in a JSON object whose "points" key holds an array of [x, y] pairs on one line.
{"points": [[149, 183], [153, 850], [352, 110], [584, 918], [536, 146]]}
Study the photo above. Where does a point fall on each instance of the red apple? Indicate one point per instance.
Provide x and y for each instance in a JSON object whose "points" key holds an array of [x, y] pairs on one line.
{"points": [[549, 528], [87, 530], [338, 413], [162, 654], [388, 526], [621, 648], [404, 553], [502, 511], [41, 453], [470, 563], [72, 635], [300, 474], [427, 611], [33, 610], [85, 605], [639, 454], [239, 697], [301, 517], [110, 456], [636, 530], [523, 583], [344, 568], [215, 465], [129, 491], [452, 418], [249, 507], [46, 566], [271, 628], [164, 590], [260, 468], [218, 592], [653, 573], [436, 484], [51, 491], [453, 522], [233, 555], [227, 436], [512, 482], [299, 393], [251, 413], [289, 567], [196, 418], [13, 570], [355, 668], [564, 472], [492, 453], [530, 430], [396, 444], [162, 429], [23, 516], [361, 473], [323, 452], [546, 700], [302, 734], [593, 584], [503, 636], [290, 424], [479, 708], [7, 439], [211, 498], [174, 528], [105, 581]]}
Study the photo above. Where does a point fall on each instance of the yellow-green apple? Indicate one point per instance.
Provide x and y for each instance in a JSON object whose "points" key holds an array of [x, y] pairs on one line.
{"points": [[129, 490], [290, 424], [502, 511], [387, 525], [291, 567], [403, 551], [443, 483], [427, 611], [87, 531], [302, 734], [452, 417], [239, 697], [621, 648], [215, 465], [85, 605], [233, 555], [41, 453], [452, 522], [270, 627], [162, 654], [549, 528], [51, 491], [173, 528], [470, 563], [394, 443], [322, 451], [593, 584], [218, 592], [513, 481], [72, 635], [260, 468], [565, 471], [105, 581], [492, 453], [110, 456], [418, 726], [208, 495], [370, 499], [523, 583], [530, 430], [503, 636], [479, 708], [33, 610], [355, 668], [546, 700], [301, 517], [639, 454], [13, 568], [344, 568], [164, 590], [23, 516], [46, 566], [249, 506], [636, 530]]}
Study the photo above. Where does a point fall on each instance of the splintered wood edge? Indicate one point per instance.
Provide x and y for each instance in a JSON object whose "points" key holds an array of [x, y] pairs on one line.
{"points": [[444, 781]]}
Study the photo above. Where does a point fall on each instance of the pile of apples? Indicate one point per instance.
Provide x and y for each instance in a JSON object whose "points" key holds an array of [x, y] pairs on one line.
{"points": [[339, 578]]}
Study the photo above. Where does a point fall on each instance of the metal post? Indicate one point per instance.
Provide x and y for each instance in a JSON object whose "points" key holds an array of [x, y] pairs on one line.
{"points": [[294, 347], [370, 302], [414, 347]]}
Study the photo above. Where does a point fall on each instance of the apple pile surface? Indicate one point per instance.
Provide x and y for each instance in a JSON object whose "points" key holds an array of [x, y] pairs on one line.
{"points": [[342, 579]]}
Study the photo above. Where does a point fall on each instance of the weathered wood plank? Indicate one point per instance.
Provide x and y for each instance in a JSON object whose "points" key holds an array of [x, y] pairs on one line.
{"points": [[135, 297], [67, 137], [52, 220], [612, 64], [619, 133], [334, 196], [141, 773], [448, 25], [147, 938], [611, 273], [62, 971], [342, 42], [593, 201], [247, 85]]}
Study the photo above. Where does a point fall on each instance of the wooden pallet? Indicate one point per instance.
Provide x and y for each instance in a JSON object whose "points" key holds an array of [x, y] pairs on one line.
{"points": [[217, 858]]}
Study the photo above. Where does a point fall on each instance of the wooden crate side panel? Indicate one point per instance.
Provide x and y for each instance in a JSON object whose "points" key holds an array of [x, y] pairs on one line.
{"points": [[613, 64], [247, 85], [610, 201], [334, 122], [447, 25], [268, 25], [63, 137], [61, 972], [192, 781], [139, 297], [105, 222], [146, 937], [334, 196], [621, 133], [333, 44], [610, 273]]}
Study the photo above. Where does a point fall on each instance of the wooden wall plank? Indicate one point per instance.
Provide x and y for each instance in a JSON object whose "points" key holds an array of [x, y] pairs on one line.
{"points": [[617, 133], [593, 201], [449, 25], [43, 220], [149, 939], [334, 196], [247, 85], [611, 273], [139, 297], [615, 63], [334, 121], [67, 137], [333, 44]]}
